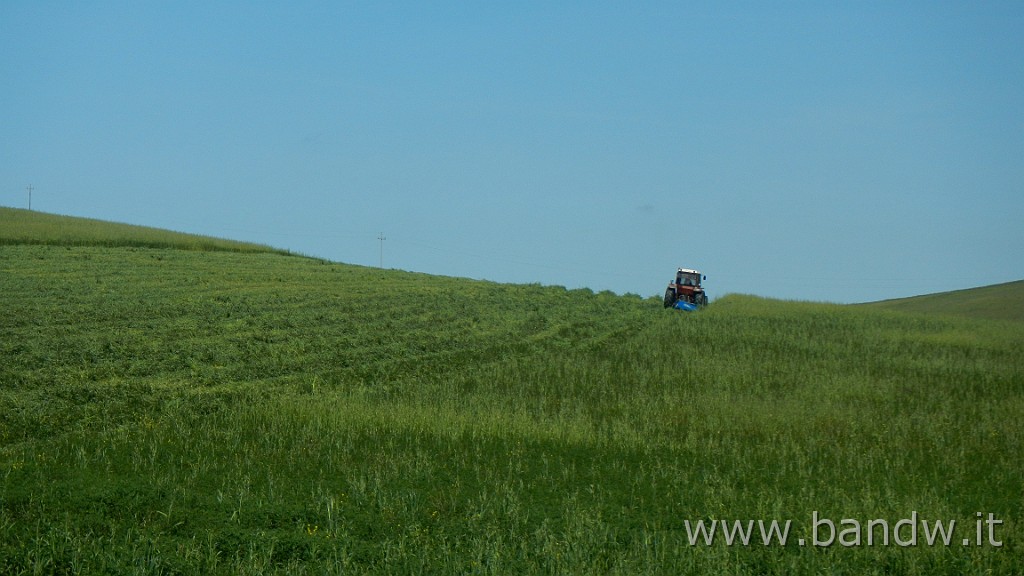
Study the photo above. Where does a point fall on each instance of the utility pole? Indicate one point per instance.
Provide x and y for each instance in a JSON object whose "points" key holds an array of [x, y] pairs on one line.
{"points": [[382, 239], [29, 188]]}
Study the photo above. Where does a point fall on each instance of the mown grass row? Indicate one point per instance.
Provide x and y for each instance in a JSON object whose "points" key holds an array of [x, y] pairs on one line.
{"points": [[247, 414], [87, 318]]}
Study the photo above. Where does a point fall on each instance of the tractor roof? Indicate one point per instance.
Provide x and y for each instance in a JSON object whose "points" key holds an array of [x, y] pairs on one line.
{"points": [[688, 271]]}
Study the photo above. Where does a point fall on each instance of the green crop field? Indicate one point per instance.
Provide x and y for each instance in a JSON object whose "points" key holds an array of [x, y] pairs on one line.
{"points": [[997, 302], [172, 405], [27, 227]]}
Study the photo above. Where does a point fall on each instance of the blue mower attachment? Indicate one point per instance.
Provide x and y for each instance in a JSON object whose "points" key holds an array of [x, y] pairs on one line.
{"points": [[681, 305]]}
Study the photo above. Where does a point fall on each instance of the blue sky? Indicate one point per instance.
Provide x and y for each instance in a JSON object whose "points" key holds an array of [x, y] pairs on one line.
{"points": [[835, 151]]}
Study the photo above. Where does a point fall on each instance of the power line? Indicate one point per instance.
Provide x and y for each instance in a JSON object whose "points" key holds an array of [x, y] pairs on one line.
{"points": [[382, 239], [29, 188]]}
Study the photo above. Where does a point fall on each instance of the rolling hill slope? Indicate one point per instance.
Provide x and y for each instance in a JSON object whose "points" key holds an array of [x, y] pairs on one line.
{"points": [[168, 410], [18, 226], [996, 302]]}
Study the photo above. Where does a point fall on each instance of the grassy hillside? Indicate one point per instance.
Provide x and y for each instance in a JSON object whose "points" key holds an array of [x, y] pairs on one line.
{"points": [[998, 302], [18, 227], [168, 412]]}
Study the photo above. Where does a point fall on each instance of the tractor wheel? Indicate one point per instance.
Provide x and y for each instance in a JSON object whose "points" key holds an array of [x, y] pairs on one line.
{"points": [[670, 297], [703, 300]]}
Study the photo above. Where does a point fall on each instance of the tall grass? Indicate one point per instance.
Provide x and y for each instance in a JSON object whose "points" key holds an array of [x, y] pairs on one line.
{"points": [[172, 412]]}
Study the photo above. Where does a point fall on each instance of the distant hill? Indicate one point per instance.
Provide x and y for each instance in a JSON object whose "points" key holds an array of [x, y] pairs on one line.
{"points": [[18, 226], [996, 302]]}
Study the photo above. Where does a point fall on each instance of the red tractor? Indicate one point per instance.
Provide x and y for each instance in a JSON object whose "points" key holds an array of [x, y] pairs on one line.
{"points": [[685, 290]]}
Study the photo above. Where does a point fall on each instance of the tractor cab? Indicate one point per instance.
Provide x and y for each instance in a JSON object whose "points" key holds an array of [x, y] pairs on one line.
{"points": [[686, 287], [686, 277]]}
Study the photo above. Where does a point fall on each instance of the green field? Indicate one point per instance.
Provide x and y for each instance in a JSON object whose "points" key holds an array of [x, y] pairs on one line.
{"points": [[997, 302], [212, 411], [21, 227]]}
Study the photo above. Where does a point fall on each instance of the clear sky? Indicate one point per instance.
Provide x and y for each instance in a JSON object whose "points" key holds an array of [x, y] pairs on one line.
{"points": [[835, 151]]}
